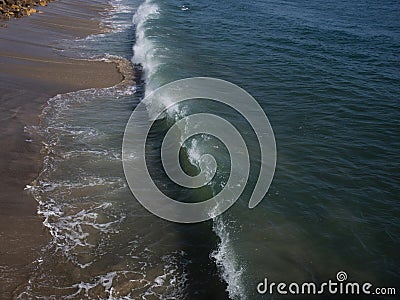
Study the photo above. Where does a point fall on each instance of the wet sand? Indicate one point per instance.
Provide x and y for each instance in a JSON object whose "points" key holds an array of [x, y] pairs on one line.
{"points": [[30, 73]]}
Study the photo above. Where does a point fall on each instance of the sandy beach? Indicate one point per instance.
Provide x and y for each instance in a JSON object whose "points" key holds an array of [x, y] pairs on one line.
{"points": [[30, 73]]}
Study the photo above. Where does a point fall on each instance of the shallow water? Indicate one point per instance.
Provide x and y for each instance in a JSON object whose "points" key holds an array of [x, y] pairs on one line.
{"points": [[327, 75]]}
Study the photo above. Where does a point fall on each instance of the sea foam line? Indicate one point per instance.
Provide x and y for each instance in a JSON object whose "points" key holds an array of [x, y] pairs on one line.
{"points": [[144, 48], [145, 54], [225, 259]]}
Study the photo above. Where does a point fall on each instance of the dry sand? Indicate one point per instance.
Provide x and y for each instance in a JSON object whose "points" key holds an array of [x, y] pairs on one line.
{"points": [[30, 73]]}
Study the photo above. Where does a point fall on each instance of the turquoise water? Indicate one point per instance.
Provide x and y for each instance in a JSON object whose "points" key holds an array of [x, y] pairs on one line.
{"points": [[327, 74]]}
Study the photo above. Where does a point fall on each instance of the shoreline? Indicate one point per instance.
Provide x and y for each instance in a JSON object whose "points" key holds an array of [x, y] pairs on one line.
{"points": [[32, 73]]}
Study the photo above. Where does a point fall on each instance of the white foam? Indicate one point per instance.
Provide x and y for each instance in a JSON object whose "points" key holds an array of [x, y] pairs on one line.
{"points": [[184, 8], [104, 280], [111, 18], [173, 279], [165, 281], [225, 258], [72, 224], [144, 48]]}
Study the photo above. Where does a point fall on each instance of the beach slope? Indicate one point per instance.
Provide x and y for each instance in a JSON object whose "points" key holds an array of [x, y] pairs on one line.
{"points": [[31, 72]]}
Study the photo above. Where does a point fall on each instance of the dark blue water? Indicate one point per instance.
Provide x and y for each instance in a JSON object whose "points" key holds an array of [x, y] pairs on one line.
{"points": [[327, 74]]}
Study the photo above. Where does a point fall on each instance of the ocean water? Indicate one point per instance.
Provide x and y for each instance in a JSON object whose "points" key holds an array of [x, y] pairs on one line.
{"points": [[327, 74]]}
